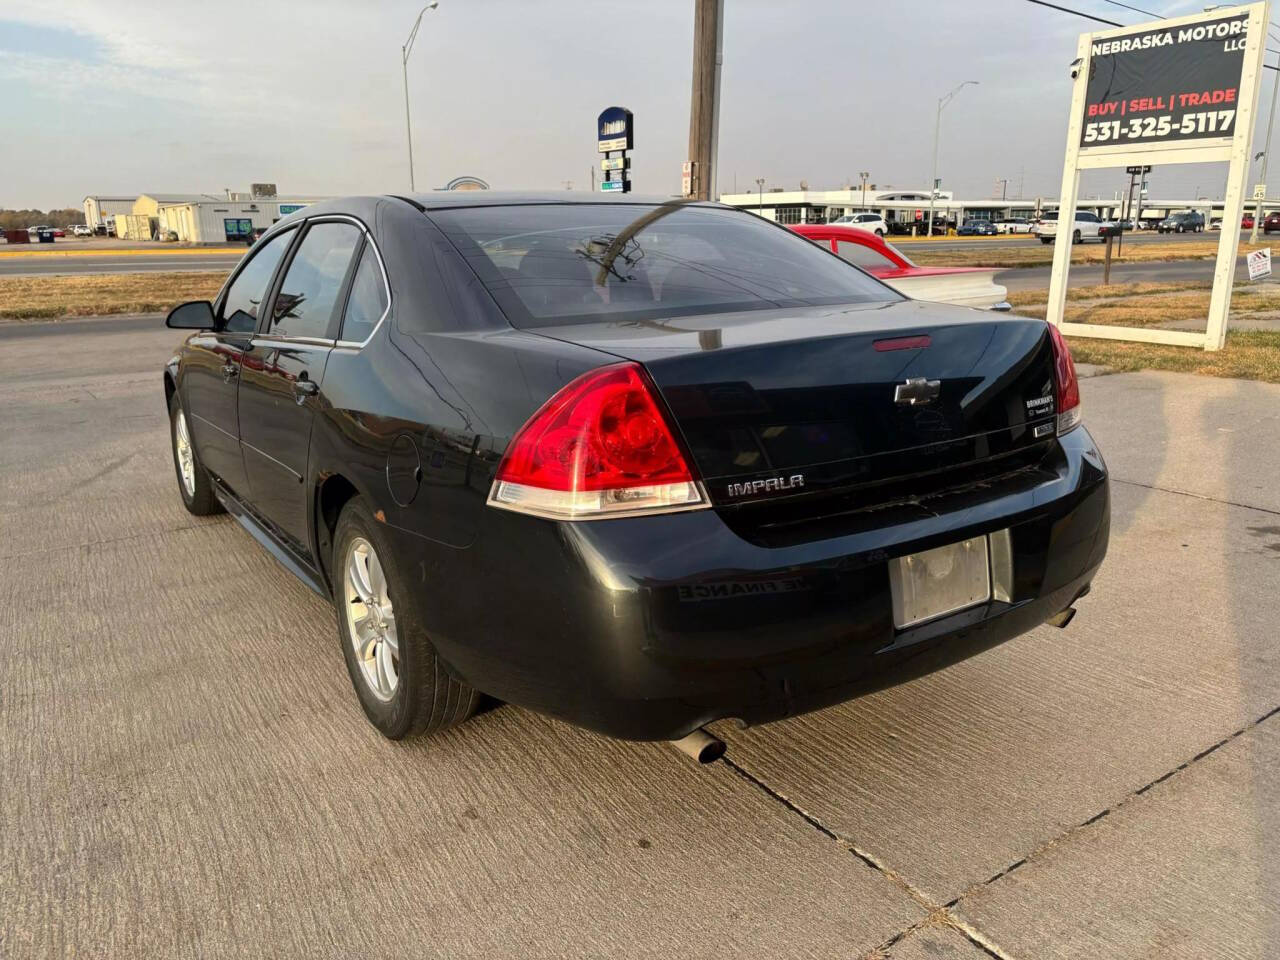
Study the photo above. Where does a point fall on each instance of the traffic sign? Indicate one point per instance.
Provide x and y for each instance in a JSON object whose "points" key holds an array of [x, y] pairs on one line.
{"points": [[1260, 191]]}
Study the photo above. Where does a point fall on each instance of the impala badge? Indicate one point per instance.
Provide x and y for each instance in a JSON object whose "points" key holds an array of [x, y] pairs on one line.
{"points": [[772, 485], [916, 391]]}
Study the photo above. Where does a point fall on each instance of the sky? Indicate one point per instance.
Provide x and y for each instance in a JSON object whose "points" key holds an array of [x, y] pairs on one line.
{"points": [[127, 97]]}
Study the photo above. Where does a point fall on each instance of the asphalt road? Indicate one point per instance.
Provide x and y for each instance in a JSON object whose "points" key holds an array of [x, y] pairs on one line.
{"points": [[186, 773], [25, 266]]}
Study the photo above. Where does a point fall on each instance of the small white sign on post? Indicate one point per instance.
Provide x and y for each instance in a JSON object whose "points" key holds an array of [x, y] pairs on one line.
{"points": [[1259, 191], [1259, 263]]}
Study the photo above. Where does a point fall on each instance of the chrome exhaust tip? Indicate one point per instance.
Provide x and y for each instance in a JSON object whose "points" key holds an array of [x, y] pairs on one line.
{"points": [[701, 746], [1062, 618]]}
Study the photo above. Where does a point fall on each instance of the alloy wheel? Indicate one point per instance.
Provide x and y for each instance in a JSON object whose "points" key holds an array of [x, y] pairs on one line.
{"points": [[186, 458], [371, 622]]}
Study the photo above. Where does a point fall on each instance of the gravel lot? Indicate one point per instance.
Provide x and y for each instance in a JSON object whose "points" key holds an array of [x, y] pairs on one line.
{"points": [[186, 773]]}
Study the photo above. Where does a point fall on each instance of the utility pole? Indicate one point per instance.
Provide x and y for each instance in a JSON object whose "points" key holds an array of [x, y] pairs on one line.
{"points": [[1004, 187], [864, 174], [704, 100], [937, 127]]}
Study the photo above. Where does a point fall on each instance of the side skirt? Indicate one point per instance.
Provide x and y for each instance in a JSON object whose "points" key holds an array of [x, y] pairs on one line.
{"points": [[296, 564]]}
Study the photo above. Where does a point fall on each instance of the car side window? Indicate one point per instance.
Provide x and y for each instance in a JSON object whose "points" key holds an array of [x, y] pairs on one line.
{"points": [[862, 256], [308, 299], [245, 295], [368, 300]]}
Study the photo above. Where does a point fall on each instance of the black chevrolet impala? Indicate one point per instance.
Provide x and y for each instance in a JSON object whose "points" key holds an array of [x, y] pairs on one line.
{"points": [[639, 465]]}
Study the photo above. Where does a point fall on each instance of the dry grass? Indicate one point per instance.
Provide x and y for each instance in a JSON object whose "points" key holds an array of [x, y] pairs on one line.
{"points": [[1248, 355], [1041, 254], [1026, 298], [50, 297], [1151, 308]]}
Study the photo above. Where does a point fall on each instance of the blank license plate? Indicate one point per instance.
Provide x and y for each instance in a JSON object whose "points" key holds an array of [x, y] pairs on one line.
{"points": [[940, 581]]}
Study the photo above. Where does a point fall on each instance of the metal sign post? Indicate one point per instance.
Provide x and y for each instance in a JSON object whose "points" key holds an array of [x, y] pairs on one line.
{"points": [[1182, 90]]}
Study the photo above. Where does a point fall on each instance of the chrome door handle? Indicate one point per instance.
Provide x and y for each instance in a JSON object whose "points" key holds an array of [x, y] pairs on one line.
{"points": [[305, 388], [229, 372]]}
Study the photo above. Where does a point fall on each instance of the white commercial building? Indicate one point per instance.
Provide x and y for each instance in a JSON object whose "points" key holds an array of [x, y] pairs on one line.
{"points": [[193, 217], [209, 219], [907, 206]]}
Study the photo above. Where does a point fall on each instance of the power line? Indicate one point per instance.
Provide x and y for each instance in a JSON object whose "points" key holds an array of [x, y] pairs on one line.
{"points": [[1145, 13], [1087, 16], [1112, 23]]}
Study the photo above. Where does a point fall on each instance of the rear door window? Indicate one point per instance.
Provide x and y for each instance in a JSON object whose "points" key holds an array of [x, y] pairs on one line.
{"points": [[309, 296], [368, 300], [246, 293]]}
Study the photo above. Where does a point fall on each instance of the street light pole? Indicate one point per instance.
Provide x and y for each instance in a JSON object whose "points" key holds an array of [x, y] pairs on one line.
{"points": [[1266, 156], [405, 49], [864, 174], [937, 126], [760, 200]]}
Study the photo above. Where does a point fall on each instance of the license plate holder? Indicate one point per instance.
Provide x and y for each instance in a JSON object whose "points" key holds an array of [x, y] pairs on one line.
{"points": [[941, 581]]}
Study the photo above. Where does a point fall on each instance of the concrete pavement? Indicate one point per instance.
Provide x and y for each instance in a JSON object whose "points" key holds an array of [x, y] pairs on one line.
{"points": [[186, 772]]}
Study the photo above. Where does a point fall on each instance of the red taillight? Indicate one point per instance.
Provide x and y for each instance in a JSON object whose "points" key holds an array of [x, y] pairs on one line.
{"points": [[599, 447], [1068, 386]]}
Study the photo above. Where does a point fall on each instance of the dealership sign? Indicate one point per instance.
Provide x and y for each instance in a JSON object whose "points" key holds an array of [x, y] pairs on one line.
{"points": [[615, 133], [1181, 90], [1169, 85]]}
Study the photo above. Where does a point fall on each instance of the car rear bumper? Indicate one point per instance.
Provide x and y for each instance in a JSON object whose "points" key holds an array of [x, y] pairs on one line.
{"points": [[650, 627]]}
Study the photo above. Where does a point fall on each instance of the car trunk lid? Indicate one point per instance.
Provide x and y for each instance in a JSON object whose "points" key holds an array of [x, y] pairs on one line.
{"points": [[798, 405]]}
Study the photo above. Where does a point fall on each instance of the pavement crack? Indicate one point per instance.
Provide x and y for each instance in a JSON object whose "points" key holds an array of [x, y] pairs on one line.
{"points": [[1196, 496], [99, 543], [867, 858], [1102, 814]]}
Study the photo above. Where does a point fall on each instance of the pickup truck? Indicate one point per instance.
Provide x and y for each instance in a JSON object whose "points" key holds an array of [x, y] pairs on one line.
{"points": [[1087, 226]]}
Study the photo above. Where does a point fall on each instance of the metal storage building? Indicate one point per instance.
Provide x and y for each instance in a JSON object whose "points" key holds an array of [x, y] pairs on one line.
{"points": [[98, 211], [209, 219]]}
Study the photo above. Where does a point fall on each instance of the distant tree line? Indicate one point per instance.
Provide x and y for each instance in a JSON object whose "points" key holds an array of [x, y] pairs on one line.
{"points": [[18, 219]]}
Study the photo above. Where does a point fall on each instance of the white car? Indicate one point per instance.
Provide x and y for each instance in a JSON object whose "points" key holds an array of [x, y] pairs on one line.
{"points": [[871, 222], [1086, 227], [82, 230], [1013, 225]]}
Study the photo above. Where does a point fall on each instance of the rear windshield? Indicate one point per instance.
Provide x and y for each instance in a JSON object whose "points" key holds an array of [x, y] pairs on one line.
{"points": [[556, 263]]}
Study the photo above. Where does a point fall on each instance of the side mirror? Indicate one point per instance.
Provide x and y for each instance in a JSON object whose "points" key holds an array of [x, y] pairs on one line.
{"points": [[195, 315]]}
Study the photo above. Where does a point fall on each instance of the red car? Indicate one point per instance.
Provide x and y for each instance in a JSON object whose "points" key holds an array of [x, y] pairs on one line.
{"points": [[1272, 222], [1246, 221], [57, 232], [967, 286]]}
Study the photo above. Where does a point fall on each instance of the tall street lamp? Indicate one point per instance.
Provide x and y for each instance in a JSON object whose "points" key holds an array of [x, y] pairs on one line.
{"points": [[760, 201], [937, 126], [404, 66], [863, 174], [1266, 157]]}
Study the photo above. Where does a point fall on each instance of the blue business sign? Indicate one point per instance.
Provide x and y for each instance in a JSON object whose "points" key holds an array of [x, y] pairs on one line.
{"points": [[288, 208], [615, 133]]}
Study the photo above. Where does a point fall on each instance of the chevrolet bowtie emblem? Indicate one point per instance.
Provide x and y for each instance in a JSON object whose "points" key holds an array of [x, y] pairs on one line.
{"points": [[917, 390]]}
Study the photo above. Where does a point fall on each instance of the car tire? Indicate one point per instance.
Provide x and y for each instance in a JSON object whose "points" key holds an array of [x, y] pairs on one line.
{"points": [[879, 233], [1046, 240], [410, 692], [194, 483], [1075, 237]]}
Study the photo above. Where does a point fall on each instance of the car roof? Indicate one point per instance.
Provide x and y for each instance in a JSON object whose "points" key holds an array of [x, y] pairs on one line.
{"points": [[445, 199]]}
